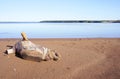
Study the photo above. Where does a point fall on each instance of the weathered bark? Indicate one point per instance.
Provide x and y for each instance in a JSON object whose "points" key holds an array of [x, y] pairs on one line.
{"points": [[29, 51]]}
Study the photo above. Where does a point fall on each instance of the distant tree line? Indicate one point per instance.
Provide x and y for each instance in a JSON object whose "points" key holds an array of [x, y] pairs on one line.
{"points": [[81, 21], [68, 21]]}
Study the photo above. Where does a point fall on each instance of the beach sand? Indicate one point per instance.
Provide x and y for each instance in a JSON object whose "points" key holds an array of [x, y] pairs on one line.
{"points": [[80, 59]]}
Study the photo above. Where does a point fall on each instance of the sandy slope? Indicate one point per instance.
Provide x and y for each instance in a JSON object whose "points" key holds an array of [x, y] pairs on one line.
{"points": [[81, 59]]}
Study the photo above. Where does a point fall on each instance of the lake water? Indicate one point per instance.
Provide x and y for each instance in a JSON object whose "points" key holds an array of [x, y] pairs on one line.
{"points": [[60, 30]]}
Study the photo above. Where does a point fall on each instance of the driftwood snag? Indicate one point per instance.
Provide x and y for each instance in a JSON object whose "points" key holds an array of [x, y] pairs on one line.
{"points": [[24, 36], [29, 51]]}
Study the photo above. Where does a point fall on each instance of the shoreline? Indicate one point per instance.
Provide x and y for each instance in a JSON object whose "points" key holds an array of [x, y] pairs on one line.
{"points": [[60, 38]]}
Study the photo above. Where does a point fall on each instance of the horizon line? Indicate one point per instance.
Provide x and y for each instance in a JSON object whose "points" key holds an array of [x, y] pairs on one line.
{"points": [[64, 21]]}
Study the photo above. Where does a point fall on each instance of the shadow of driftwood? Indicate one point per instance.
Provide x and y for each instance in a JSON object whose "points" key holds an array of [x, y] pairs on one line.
{"points": [[10, 46]]}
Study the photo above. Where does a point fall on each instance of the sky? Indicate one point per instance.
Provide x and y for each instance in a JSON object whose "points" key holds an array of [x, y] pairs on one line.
{"points": [[37, 10]]}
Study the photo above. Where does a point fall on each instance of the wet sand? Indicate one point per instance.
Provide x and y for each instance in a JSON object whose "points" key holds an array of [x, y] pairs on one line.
{"points": [[80, 59]]}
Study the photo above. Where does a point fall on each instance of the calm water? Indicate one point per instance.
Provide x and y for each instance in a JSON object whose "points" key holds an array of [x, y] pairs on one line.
{"points": [[61, 30]]}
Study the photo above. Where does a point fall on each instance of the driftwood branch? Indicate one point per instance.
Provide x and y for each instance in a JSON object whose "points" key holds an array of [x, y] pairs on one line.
{"points": [[24, 36]]}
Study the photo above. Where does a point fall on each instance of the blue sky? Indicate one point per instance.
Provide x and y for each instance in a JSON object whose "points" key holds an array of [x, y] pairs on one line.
{"points": [[37, 10]]}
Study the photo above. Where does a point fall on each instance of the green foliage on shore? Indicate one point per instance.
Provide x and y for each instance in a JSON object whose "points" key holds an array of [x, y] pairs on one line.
{"points": [[81, 21]]}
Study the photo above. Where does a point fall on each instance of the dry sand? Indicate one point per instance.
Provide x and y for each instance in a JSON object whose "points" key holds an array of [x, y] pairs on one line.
{"points": [[81, 59]]}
